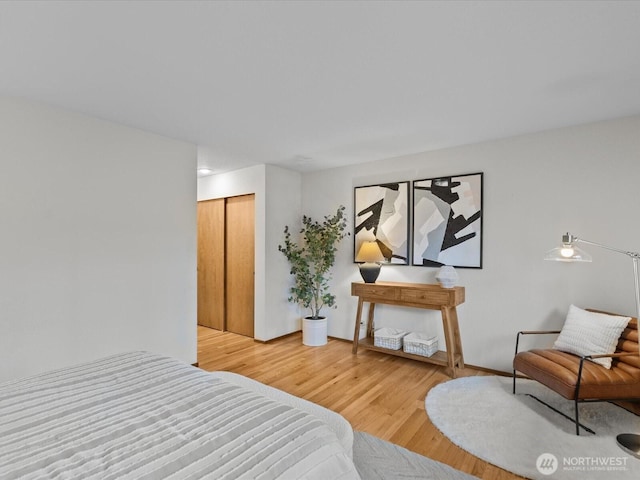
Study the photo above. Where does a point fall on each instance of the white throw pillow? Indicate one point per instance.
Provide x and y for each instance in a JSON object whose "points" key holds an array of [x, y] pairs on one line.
{"points": [[590, 333]]}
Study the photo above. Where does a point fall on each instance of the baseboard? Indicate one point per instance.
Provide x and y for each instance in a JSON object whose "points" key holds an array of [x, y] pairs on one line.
{"points": [[277, 338], [499, 373]]}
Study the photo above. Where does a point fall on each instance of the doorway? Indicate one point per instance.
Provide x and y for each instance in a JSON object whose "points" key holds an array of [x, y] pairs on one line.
{"points": [[226, 259]]}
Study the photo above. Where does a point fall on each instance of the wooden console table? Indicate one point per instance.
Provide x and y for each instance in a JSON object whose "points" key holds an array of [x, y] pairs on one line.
{"points": [[417, 295]]}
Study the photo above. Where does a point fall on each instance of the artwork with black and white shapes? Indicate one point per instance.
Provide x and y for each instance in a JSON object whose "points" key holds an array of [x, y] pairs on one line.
{"points": [[447, 221], [382, 215]]}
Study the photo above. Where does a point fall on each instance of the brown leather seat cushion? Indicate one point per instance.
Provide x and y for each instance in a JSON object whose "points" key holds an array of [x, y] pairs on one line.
{"points": [[559, 370]]}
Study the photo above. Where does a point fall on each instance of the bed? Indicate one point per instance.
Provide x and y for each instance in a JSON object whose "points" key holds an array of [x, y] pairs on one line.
{"points": [[145, 416]]}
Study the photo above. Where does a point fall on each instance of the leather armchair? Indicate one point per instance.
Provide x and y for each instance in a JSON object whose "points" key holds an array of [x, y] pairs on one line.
{"points": [[578, 378]]}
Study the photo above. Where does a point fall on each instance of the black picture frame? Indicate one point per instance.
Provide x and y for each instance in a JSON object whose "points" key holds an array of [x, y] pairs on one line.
{"points": [[381, 214], [447, 221]]}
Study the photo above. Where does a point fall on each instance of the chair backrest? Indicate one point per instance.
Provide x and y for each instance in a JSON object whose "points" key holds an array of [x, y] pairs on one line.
{"points": [[628, 341]]}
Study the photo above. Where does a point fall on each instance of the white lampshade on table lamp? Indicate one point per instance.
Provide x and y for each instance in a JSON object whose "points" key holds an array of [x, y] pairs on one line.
{"points": [[370, 255], [629, 442]]}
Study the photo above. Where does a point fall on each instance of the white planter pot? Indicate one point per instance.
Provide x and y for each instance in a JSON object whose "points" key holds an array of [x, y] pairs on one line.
{"points": [[314, 332]]}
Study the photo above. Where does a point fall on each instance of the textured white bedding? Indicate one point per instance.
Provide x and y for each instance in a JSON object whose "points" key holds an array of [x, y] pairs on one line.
{"points": [[143, 416], [334, 421]]}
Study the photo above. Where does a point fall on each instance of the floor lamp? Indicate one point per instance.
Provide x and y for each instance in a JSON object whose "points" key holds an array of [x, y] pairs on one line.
{"points": [[629, 442]]}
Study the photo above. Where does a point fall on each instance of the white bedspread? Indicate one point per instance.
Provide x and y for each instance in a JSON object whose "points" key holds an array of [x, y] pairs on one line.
{"points": [[143, 416]]}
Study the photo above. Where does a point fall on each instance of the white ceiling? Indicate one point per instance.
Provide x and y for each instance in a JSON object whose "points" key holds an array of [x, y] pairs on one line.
{"points": [[312, 85]]}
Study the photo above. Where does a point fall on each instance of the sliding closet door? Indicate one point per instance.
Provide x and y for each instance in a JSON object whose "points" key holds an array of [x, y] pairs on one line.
{"points": [[240, 240], [211, 258]]}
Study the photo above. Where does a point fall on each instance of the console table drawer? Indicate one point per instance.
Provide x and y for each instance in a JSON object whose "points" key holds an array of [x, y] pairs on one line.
{"points": [[415, 294], [373, 292], [425, 297]]}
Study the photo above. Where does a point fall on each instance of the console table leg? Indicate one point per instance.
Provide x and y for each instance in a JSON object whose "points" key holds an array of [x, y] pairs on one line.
{"points": [[457, 339], [372, 309], [449, 339], [356, 333]]}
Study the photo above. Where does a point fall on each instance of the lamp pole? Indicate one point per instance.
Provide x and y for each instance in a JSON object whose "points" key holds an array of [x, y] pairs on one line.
{"points": [[570, 239]]}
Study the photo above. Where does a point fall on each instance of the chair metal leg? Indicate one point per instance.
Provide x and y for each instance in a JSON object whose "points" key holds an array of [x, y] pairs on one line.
{"points": [[578, 425], [516, 353], [577, 393]]}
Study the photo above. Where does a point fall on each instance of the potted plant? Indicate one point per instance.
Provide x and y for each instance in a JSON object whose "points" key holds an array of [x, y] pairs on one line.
{"points": [[311, 259]]}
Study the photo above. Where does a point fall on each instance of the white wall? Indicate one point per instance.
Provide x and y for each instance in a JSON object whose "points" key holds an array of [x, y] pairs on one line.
{"points": [[582, 179], [97, 243], [277, 203], [283, 208]]}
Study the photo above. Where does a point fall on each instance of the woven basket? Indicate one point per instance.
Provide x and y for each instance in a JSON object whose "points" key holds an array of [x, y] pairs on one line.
{"points": [[420, 344], [390, 338]]}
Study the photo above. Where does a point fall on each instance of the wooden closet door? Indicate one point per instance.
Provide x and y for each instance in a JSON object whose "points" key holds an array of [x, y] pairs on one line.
{"points": [[211, 258], [240, 240]]}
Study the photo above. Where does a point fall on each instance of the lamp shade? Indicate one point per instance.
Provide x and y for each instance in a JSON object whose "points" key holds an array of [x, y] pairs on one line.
{"points": [[369, 253], [568, 252]]}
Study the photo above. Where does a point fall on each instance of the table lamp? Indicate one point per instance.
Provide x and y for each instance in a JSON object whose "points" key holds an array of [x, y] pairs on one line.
{"points": [[370, 255], [629, 442]]}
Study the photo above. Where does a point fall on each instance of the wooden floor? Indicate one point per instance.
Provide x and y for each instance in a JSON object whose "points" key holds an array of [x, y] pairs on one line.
{"points": [[379, 394]]}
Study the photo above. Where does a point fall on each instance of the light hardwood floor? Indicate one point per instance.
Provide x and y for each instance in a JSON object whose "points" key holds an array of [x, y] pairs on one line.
{"points": [[379, 394]]}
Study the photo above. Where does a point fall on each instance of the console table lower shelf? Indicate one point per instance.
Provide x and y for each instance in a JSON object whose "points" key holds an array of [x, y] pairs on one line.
{"points": [[438, 358]]}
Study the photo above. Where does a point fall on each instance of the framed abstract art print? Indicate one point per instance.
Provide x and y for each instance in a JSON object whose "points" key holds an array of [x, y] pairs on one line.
{"points": [[447, 221], [382, 215]]}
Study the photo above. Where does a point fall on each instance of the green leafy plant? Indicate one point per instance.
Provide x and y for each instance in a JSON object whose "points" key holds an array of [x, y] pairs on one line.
{"points": [[312, 258]]}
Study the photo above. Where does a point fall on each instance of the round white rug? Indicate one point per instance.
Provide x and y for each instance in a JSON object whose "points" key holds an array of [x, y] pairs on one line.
{"points": [[519, 434]]}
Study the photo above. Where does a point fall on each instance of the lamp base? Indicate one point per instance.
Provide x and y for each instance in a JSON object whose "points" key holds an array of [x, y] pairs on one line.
{"points": [[369, 272], [630, 443]]}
